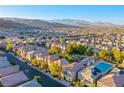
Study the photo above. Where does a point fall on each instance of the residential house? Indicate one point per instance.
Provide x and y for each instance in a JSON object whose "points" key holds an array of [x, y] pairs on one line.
{"points": [[42, 56], [3, 44], [13, 79], [17, 46], [62, 61], [111, 80], [42, 49], [93, 73], [25, 50], [71, 70], [87, 74], [31, 54], [89, 61], [52, 58], [62, 46]]}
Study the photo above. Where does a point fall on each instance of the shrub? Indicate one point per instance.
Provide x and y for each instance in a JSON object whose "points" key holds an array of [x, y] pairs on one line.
{"points": [[38, 78], [78, 83], [13, 63], [92, 85]]}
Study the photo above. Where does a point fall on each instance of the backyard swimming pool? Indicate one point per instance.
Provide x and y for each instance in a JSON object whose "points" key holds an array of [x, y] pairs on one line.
{"points": [[104, 67]]}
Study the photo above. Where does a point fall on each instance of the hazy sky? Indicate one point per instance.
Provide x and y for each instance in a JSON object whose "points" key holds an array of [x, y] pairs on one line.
{"points": [[113, 14]]}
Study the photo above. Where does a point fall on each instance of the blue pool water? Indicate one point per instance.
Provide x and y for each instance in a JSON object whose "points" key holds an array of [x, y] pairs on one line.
{"points": [[103, 67]]}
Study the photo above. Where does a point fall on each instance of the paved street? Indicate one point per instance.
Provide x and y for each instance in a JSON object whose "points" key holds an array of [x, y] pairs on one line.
{"points": [[32, 71]]}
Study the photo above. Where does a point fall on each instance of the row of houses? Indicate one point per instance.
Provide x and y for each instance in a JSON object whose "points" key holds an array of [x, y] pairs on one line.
{"points": [[41, 54], [12, 76], [104, 41], [91, 69], [99, 73]]}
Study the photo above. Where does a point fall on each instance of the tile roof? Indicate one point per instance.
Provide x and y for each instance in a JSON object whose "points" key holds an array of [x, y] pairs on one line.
{"points": [[4, 62], [63, 61], [112, 80], [14, 79], [53, 57], [9, 70], [73, 67]]}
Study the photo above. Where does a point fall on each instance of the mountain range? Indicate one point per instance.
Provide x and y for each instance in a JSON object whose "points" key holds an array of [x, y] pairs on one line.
{"points": [[22, 23], [31, 23], [81, 23]]}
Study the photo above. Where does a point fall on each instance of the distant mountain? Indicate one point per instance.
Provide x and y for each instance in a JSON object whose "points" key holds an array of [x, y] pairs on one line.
{"points": [[33, 24], [71, 22], [38, 23], [8, 24], [81, 23]]}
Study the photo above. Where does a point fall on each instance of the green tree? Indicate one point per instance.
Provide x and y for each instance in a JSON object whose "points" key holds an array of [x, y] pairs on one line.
{"points": [[30, 41], [54, 50], [96, 54], [2, 37], [89, 52], [44, 66], [102, 54], [110, 55], [35, 62], [81, 49], [76, 48], [9, 47], [122, 54], [67, 56], [55, 69], [62, 40], [117, 56]]}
